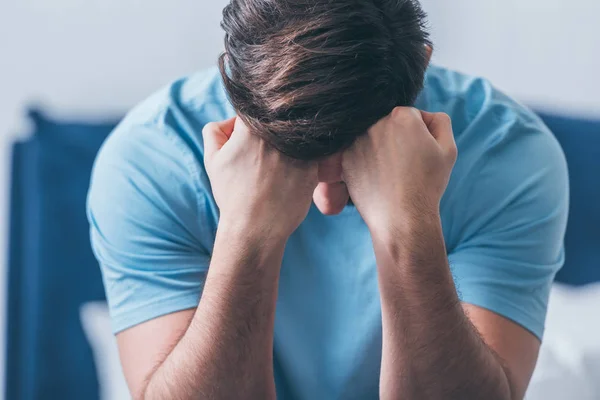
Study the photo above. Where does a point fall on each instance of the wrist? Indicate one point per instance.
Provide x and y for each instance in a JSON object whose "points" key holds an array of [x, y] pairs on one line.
{"points": [[245, 256], [404, 223], [248, 234], [406, 236]]}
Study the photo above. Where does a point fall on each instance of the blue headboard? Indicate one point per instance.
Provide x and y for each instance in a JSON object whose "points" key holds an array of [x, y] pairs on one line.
{"points": [[53, 272], [580, 140], [51, 267]]}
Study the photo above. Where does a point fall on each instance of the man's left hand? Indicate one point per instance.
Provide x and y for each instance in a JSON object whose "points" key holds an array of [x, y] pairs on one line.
{"points": [[400, 169]]}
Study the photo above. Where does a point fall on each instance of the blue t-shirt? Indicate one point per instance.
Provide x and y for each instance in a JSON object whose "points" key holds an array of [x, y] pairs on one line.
{"points": [[153, 223]]}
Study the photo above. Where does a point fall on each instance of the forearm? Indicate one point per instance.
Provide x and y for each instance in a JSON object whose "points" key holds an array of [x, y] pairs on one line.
{"points": [[227, 350], [430, 348]]}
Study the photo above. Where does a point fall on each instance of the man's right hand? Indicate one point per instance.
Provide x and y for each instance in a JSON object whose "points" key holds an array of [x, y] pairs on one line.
{"points": [[263, 196], [259, 191]]}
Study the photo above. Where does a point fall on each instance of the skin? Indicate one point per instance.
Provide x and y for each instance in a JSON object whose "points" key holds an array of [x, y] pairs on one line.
{"points": [[434, 347]]}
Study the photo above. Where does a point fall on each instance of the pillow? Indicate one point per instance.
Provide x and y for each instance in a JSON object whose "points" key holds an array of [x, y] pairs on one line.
{"points": [[561, 373], [95, 320], [569, 363]]}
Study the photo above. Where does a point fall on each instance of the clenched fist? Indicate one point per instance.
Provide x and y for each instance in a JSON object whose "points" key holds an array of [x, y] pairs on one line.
{"points": [[258, 190], [401, 168]]}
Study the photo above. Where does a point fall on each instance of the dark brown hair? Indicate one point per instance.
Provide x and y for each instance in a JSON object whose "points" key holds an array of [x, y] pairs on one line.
{"points": [[309, 76]]}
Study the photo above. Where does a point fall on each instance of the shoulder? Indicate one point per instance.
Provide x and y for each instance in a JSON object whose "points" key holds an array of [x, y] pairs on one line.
{"points": [[193, 93], [491, 129], [151, 169], [474, 101], [181, 108], [166, 130]]}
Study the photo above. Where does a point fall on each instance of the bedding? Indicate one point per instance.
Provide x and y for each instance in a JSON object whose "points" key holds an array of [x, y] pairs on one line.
{"points": [[569, 362]]}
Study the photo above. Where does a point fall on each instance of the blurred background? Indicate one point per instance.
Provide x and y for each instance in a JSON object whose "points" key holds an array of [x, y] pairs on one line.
{"points": [[69, 69]]}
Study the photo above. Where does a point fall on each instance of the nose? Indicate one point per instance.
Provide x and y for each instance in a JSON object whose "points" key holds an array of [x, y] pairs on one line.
{"points": [[330, 169]]}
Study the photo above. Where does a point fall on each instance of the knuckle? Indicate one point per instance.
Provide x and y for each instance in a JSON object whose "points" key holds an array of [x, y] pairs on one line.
{"points": [[405, 116], [444, 117], [397, 111], [402, 112], [414, 112]]}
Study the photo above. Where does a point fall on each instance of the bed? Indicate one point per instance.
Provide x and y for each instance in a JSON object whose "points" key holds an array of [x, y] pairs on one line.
{"points": [[53, 274]]}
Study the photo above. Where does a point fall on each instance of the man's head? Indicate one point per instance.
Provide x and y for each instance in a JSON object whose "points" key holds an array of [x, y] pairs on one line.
{"points": [[310, 76]]}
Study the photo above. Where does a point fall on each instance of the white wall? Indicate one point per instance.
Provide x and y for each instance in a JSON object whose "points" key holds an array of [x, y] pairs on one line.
{"points": [[99, 57], [545, 52]]}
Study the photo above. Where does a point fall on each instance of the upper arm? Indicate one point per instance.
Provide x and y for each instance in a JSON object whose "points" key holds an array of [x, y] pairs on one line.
{"points": [[517, 347], [152, 237], [144, 347], [511, 243]]}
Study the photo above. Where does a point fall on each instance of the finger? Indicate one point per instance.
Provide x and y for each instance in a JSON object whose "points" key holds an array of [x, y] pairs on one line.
{"points": [[216, 134], [427, 117], [228, 126], [405, 118], [440, 127], [241, 133]]}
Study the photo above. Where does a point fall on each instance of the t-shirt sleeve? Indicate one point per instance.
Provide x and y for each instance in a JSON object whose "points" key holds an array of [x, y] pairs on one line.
{"points": [[150, 224], [514, 212]]}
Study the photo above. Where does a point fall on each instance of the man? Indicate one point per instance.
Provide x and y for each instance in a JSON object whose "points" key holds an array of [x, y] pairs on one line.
{"points": [[321, 239]]}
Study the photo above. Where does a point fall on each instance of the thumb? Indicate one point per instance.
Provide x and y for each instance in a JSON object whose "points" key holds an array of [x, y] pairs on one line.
{"points": [[215, 135]]}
